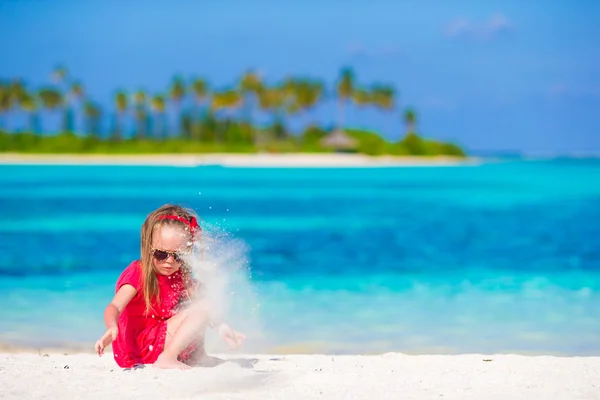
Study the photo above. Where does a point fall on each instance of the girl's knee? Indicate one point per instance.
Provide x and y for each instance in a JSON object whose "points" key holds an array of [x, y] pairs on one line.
{"points": [[199, 309]]}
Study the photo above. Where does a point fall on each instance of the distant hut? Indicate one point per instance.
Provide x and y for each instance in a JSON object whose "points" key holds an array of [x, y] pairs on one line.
{"points": [[340, 141]]}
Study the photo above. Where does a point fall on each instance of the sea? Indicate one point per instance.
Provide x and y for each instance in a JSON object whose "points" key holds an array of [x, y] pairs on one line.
{"points": [[498, 257]]}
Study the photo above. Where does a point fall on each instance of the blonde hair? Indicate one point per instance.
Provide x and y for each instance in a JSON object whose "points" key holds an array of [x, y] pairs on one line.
{"points": [[154, 221]]}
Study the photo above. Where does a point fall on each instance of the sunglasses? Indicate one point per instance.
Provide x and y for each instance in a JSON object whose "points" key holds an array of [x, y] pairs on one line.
{"points": [[162, 255]]}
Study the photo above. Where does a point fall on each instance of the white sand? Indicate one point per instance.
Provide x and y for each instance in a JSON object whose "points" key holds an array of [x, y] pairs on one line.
{"points": [[294, 160], [388, 376]]}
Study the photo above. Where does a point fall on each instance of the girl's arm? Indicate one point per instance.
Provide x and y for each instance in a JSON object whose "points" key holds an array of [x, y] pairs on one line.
{"points": [[111, 316], [233, 338], [117, 305]]}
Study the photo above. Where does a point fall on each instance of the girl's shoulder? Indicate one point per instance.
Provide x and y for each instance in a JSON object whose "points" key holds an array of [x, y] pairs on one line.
{"points": [[131, 275], [134, 267], [135, 264]]}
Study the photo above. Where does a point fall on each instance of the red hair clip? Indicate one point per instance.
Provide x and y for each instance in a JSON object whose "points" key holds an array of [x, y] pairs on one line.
{"points": [[192, 223]]}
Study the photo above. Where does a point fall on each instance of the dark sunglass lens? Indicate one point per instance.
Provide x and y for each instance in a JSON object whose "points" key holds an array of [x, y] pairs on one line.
{"points": [[161, 255]]}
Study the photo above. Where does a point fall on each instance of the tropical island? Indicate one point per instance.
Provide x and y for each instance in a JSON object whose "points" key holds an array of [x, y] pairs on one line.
{"points": [[191, 117]]}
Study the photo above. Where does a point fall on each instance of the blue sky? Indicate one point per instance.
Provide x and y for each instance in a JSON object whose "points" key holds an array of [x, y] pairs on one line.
{"points": [[490, 75]]}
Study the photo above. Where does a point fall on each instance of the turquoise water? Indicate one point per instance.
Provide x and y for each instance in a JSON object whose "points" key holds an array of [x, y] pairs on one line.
{"points": [[502, 257]]}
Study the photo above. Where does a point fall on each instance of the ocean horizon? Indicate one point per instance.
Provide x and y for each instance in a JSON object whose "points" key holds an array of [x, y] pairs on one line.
{"points": [[502, 257]]}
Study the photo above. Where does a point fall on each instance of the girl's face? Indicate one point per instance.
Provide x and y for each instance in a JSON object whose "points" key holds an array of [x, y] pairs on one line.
{"points": [[167, 243]]}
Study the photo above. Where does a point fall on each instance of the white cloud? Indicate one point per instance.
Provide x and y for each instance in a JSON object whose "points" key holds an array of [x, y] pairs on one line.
{"points": [[462, 27]]}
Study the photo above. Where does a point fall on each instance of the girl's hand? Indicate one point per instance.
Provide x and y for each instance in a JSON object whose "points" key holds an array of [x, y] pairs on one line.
{"points": [[106, 339], [232, 338]]}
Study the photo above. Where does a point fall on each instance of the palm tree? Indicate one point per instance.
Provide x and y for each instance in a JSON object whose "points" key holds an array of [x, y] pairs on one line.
{"points": [[158, 105], [362, 97], [30, 104], [250, 85], [384, 97], [76, 93], [345, 89], [51, 98], [140, 113], [338, 139], [250, 82], [121, 105], [4, 102], [308, 93], [410, 120], [413, 143], [282, 101], [177, 93], [200, 90], [93, 115], [60, 74], [289, 97], [272, 100], [17, 91], [11, 94], [229, 101]]}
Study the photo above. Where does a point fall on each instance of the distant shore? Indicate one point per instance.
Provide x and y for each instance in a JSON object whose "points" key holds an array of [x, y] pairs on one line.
{"points": [[285, 160]]}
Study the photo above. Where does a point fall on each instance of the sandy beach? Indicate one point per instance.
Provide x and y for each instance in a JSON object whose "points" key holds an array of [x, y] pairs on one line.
{"points": [[295, 160], [388, 376]]}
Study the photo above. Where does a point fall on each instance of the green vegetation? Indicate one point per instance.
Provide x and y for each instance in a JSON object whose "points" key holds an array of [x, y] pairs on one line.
{"points": [[206, 120]]}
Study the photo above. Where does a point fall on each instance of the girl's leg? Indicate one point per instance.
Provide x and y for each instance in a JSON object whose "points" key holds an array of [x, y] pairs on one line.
{"points": [[182, 329]]}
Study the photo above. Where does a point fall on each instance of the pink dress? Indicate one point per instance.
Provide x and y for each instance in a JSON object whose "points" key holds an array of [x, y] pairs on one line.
{"points": [[142, 337]]}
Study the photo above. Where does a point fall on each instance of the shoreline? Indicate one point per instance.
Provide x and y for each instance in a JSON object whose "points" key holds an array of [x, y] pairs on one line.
{"points": [[259, 160], [7, 347]]}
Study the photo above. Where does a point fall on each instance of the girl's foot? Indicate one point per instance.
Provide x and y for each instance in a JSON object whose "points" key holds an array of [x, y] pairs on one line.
{"points": [[166, 362]]}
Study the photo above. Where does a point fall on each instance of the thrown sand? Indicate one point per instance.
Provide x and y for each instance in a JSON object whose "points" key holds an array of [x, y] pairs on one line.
{"points": [[388, 376]]}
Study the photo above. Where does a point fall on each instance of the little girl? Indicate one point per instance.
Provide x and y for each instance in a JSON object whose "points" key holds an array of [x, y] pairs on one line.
{"points": [[148, 320]]}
